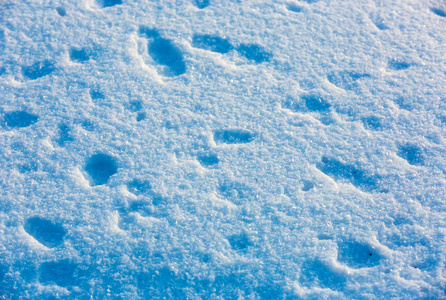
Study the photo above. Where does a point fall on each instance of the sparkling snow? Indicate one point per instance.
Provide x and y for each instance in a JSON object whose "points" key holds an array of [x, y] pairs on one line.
{"points": [[237, 149]]}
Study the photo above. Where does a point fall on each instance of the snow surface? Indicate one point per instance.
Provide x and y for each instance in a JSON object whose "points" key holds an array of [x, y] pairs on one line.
{"points": [[238, 149]]}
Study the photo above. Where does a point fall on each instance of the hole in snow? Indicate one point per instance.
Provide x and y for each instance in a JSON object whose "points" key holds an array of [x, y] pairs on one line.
{"points": [[208, 160], [379, 22], [141, 116], [96, 93], [87, 125], [315, 103], [438, 12], [324, 236], [397, 64], [135, 105], [61, 11], [294, 7], [148, 32], [358, 255], [28, 272], [343, 171], [109, 3], [211, 43], [239, 241], [254, 52], [64, 135], [233, 136], [58, 272], [346, 79], [202, 3], [308, 185], [3, 271], [412, 153], [28, 167], [144, 208], [234, 191], [157, 284], [100, 167], [18, 119], [139, 186], [293, 104], [372, 123], [164, 52], [38, 69], [318, 273], [404, 103], [80, 54], [45, 232]]}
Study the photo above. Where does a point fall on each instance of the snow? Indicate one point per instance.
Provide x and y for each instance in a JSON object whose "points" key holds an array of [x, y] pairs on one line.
{"points": [[203, 149]]}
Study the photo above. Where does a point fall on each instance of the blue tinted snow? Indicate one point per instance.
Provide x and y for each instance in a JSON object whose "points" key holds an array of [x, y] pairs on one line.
{"points": [[203, 149]]}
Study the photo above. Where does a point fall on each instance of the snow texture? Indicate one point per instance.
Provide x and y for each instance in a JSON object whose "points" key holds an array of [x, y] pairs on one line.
{"points": [[203, 149]]}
